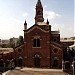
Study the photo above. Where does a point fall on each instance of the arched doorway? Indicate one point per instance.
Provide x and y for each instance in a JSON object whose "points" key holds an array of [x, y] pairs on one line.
{"points": [[20, 61], [67, 65], [37, 60], [55, 62]]}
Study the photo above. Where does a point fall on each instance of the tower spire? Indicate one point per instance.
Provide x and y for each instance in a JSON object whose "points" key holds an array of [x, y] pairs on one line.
{"points": [[39, 12], [25, 25], [39, 3], [47, 22]]}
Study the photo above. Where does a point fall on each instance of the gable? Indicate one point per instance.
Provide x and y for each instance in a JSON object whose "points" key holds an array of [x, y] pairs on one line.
{"points": [[36, 27]]}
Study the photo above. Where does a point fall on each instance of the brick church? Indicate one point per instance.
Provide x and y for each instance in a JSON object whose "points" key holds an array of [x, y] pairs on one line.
{"points": [[42, 47]]}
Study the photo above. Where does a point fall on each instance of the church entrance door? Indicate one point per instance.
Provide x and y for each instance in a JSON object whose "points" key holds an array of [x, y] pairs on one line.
{"points": [[37, 60]]}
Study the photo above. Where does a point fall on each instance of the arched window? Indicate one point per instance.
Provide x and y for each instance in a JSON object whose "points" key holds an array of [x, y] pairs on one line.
{"points": [[38, 13], [36, 42], [55, 39]]}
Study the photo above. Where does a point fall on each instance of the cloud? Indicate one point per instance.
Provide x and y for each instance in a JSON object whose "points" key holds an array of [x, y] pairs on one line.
{"points": [[51, 15], [45, 6], [34, 9], [25, 14], [57, 26], [62, 27]]}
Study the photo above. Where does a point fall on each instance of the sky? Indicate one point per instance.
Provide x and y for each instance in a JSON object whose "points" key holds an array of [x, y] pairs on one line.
{"points": [[13, 14]]}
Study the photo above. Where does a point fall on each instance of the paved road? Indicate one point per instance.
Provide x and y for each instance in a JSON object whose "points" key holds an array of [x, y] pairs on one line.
{"points": [[34, 71]]}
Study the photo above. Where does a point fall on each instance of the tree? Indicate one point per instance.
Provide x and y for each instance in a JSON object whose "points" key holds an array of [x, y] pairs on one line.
{"points": [[4, 45], [11, 43], [20, 40]]}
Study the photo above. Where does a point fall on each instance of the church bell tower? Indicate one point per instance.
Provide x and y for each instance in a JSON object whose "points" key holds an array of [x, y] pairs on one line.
{"points": [[39, 12]]}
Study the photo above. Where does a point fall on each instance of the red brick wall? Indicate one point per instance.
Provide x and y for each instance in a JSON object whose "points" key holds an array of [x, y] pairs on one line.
{"points": [[43, 50]]}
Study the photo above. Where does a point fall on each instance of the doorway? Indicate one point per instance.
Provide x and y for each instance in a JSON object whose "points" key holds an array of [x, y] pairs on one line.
{"points": [[37, 60], [67, 65], [20, 61], [55, 62]]}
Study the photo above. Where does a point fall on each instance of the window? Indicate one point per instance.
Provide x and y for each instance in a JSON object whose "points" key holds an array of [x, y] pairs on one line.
{"points": [[55, 39], [38, 13], [36, 43]]}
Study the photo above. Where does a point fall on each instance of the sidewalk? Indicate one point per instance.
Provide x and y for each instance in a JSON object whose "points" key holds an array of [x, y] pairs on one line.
{"points": [[35, 71], [41, 69], [5, 72]]}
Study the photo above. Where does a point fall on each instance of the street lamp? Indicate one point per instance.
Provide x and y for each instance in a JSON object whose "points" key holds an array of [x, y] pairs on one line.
{"points": [[73, 65]]}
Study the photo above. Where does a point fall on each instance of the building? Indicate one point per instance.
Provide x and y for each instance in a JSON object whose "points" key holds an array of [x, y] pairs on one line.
{"points": [[4, 42], [13, 41], [42, 47], [0, 41], [67, 41], [6, 57], [69, 57]]}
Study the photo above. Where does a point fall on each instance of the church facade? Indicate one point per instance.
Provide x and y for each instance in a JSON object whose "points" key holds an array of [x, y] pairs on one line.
{"points": [[42, 47]]}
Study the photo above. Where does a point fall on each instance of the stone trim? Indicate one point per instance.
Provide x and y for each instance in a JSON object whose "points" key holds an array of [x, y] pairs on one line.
{"points": [[37, 28]]}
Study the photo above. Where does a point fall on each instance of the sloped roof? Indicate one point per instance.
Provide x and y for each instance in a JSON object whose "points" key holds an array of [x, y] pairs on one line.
{"points": [[55, 32], [20, 46], [35, 26], [57, 45], [73, 46]]}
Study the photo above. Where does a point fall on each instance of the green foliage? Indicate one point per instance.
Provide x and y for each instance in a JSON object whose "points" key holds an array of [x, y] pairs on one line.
{"points": [[3, 45], [12, 43], [20, 40]]}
